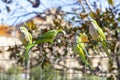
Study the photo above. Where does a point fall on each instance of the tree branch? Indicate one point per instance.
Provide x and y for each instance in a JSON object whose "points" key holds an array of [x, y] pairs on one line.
{"points": [[91, 8]]}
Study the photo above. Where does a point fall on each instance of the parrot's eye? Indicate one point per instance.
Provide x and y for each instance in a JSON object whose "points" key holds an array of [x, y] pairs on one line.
{"points": [[88, 22]]}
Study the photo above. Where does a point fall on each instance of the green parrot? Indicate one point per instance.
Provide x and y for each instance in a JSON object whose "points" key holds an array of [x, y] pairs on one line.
{"points": [[25, 36], [26, 39], [97, 34], [79, 48], [49, 36]]}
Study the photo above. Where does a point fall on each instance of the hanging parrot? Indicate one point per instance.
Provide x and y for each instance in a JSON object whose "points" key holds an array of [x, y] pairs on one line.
{"points": [[49, 36], [26, 39], [25, 36], [79, 48], [97, 34]]}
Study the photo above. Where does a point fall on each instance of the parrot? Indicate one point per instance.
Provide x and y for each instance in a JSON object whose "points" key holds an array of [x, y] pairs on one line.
{"points": [[49, 36], [97, 34], [26, 39], [79, 47]]}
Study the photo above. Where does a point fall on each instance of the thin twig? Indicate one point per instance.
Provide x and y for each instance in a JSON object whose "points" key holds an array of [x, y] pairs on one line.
{"points": [[84, 9], [91, 8]]}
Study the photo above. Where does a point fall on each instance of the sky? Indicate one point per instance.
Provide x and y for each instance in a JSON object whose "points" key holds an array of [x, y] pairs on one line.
{"points": [[22, 10]]}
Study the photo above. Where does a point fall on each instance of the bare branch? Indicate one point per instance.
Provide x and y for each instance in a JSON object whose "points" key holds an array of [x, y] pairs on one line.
{"points": [[91, 8]]}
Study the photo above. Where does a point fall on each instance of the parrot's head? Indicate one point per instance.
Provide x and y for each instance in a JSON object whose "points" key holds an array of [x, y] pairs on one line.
{"points": [[78, 35], [92, 21], [84, 37], [60, 30], [23, 29]]}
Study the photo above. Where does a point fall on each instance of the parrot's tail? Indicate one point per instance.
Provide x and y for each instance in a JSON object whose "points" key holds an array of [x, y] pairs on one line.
{"points": [[105, 48], [89, 66]]}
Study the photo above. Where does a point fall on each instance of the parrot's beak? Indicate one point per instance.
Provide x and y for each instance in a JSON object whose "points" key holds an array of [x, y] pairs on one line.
{"points": [[64, 32], [61, 31]]}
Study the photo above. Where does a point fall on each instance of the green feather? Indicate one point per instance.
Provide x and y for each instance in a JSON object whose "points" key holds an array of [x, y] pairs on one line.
{"points": [[48, 36]]}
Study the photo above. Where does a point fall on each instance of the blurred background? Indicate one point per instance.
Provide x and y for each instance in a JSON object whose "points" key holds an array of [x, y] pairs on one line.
{"points": [[57, 61]]}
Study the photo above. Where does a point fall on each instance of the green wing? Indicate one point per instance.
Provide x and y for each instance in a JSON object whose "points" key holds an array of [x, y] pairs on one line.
{"points": [[82, 54], [102, 35], [48, 36], [100, 31], [103, 39], [29, 38]]}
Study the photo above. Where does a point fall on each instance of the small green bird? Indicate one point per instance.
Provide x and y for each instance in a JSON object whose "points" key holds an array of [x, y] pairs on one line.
{"points": [[49, 36], [25, 36], [97, 34], [79, 48], [26, 39]]}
